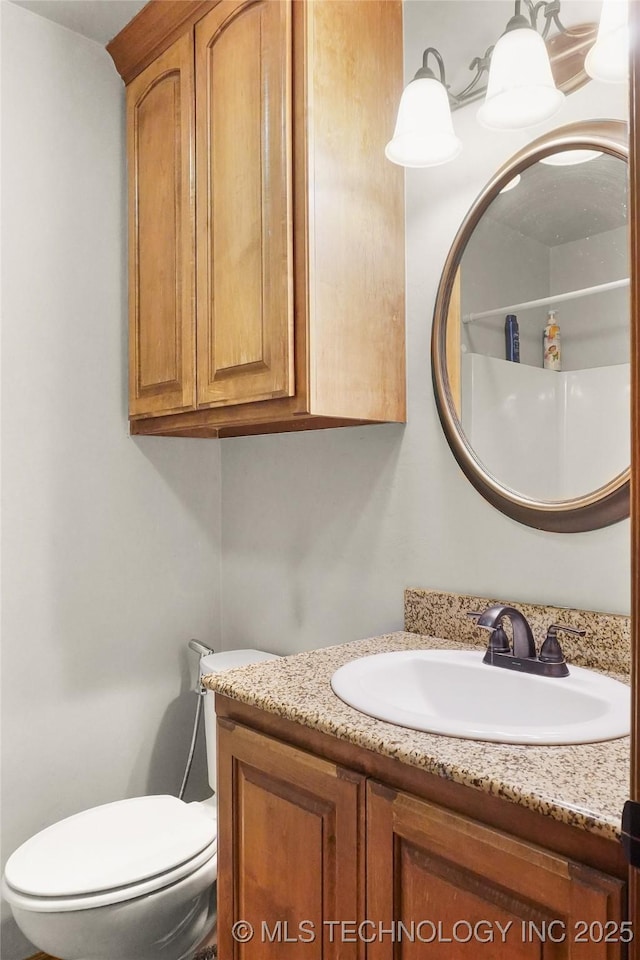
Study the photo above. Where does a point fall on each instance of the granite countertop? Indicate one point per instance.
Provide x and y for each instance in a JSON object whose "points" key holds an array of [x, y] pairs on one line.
{"points": [[583, 785]]}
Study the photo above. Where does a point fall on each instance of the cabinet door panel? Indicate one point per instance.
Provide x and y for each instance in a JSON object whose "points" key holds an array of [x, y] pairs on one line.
{"points": [[467, 890], [161, 235], [289, 850], [245, 299]]}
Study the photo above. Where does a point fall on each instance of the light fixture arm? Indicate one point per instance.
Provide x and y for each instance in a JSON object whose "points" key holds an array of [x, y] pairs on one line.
{"points": [[550, 9], [481, 66], [551, 12], [425, 72]]}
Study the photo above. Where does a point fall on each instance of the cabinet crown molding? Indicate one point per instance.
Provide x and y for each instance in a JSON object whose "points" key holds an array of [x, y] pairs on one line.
{"points": [[152, 31]]}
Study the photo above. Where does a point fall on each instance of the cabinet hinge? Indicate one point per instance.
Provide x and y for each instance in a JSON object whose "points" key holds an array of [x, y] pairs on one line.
{"points": [[631, 832]]}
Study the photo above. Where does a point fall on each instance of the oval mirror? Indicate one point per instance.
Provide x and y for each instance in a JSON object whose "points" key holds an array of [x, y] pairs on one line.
{"points": [[537, 409]]}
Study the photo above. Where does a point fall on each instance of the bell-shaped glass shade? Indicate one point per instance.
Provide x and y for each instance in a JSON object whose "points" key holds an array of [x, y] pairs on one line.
{"points": [[521, 91], [424, 134], [608, 58]]}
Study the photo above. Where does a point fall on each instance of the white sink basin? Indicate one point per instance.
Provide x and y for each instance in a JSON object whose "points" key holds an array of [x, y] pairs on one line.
{"points": [[453, 693]]}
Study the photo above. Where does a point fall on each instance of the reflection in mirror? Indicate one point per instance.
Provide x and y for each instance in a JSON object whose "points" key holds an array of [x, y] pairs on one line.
{"points": [[556, 241], [530, 343]]}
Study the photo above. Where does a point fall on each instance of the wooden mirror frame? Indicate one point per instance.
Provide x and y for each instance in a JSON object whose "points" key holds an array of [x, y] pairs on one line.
{"points": [[609, 503]]}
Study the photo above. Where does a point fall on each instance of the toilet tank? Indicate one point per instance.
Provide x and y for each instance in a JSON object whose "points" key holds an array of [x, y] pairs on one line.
{"points": [[216, 663]]}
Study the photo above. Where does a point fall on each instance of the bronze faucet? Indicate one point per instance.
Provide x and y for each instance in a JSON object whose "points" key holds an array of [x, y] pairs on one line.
{"points": [[550, 662]]}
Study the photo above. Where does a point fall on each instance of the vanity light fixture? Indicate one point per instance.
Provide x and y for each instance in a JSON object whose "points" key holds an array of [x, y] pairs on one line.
{"points": [[608, 59], [520, 90], [424, 134]]}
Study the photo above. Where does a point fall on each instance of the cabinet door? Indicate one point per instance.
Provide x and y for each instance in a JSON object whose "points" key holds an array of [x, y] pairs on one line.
{"points": [[162, 235], [290, 856], [244, 239], [469, 891]]}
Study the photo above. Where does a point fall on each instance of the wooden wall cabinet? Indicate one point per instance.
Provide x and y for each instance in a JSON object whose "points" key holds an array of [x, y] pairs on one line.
{"points": [[266, 235], [161, 239], [303, 838]]}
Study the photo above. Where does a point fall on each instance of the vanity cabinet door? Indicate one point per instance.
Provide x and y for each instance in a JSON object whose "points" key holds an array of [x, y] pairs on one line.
{"points": [[469, 891], [161, 234], [290, 850]]}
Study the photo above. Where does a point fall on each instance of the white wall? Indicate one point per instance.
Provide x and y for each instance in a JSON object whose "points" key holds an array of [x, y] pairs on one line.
{"points": [[321, 531], [110, 544]]}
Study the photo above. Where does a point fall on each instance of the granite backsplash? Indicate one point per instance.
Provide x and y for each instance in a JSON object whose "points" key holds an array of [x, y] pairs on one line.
{"points": [[605, 646]]}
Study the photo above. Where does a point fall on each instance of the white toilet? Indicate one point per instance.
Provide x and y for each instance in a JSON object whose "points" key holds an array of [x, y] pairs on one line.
{"points": [[129, 880]]}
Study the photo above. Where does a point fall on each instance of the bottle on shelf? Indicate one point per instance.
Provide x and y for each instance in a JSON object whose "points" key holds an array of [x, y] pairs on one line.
{"points": [[551, 350], [512, 338]]}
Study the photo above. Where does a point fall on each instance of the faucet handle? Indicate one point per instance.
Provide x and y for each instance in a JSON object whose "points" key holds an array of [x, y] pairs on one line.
{"points": [[565, 628], [551, 651]]}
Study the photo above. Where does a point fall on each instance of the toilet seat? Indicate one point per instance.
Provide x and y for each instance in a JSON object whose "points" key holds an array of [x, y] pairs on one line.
{"points": [[109, 854], [207, 858]]}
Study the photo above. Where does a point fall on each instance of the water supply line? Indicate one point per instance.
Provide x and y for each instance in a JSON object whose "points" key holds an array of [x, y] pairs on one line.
{"points": [[202, 651]]}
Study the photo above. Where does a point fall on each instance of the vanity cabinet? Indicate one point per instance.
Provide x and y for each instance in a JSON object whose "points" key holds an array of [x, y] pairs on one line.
{"points": [[266, 227], [305, 838], [479, 889], [290, 852]]}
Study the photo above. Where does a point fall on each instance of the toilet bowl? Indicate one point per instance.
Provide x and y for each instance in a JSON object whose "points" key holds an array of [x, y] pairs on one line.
{"points": [[129, 880]]}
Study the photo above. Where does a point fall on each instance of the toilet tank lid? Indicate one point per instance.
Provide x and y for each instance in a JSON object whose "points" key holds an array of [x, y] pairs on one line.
{"points": [[110, 846], [217, 662]]}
